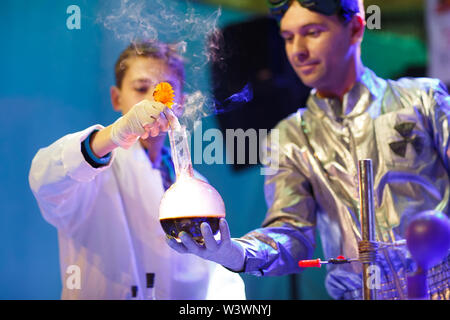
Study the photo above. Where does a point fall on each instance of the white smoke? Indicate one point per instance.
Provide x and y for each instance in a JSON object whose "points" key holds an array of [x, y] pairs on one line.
{"points": [[196, 37], [195, 108], [129, 22]]}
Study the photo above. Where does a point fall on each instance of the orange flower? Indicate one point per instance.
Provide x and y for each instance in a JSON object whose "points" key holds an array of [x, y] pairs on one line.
{"points": [[164, 93]]}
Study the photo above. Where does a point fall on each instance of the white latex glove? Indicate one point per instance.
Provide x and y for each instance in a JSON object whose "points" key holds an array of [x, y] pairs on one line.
{"points": [[137, 122], [226, 251]]}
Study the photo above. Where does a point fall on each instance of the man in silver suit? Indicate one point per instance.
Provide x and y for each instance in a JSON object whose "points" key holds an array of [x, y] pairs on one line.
{"points": [[351, 114]]}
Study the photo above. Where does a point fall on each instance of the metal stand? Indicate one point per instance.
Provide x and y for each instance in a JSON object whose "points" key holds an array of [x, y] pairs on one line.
{"points": [[426, 238]]}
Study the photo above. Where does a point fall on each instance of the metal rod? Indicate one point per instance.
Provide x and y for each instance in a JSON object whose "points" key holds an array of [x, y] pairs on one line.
{"points": [[367, 218]]}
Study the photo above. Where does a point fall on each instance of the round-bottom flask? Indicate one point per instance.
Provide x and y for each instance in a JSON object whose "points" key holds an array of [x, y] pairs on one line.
{"points": [[189, 201]]}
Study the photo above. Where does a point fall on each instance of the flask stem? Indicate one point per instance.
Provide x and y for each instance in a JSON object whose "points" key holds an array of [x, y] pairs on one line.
{"points": [[181, 156]]}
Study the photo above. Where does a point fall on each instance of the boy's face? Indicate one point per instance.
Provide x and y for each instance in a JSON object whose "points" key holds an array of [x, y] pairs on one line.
{"points": [[140, 80], [319, 48]]}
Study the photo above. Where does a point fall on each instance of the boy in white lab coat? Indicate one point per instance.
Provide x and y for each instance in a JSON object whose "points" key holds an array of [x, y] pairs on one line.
{"points": [[101, 188]]}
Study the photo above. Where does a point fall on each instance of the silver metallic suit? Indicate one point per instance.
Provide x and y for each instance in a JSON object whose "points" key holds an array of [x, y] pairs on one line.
{"points": [[403, 126]]}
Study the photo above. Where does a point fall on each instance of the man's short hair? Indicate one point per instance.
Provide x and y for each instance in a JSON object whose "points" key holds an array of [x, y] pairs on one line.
{"points": [[167, 53], [349, 8]]}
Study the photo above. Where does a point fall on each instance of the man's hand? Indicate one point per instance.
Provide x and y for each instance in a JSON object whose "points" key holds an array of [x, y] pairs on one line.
{"points": [[143, 119], [226, 251]]}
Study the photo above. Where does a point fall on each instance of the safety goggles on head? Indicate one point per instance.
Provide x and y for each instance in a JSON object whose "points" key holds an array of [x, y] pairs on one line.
{"points": [[327, 7]]}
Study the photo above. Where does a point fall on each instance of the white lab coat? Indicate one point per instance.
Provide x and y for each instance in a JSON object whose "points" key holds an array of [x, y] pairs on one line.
{"points": [[107, 221]]}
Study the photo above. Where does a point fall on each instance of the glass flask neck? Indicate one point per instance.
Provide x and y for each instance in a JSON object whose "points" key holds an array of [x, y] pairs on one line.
{"points": [[181, 156]]}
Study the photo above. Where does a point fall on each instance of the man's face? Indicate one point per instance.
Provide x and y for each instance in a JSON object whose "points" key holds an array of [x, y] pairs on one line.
{"points": [[318, 47], [140, 80]]}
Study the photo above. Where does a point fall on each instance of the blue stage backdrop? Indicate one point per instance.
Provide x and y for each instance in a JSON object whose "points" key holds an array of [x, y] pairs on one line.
{"points": [[56, 80]]}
